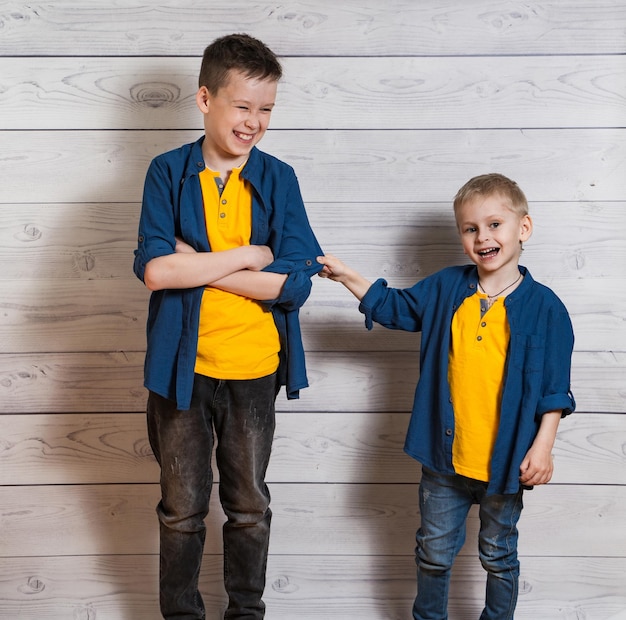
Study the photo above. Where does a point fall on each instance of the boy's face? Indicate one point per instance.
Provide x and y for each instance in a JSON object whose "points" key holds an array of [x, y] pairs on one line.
{"points": [[235, 119], [491, 232]]}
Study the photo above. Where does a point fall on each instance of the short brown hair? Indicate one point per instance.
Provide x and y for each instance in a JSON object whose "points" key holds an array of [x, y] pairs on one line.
{"points": [[493, 183], [237, 52]]}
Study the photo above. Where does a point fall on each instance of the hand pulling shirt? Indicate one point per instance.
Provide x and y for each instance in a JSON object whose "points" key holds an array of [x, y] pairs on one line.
{"points": [[172, 206], [536, 375]]}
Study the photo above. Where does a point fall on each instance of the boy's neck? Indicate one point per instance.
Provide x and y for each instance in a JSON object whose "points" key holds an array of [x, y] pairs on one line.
{"points": [[224, 166], [493, 283]]}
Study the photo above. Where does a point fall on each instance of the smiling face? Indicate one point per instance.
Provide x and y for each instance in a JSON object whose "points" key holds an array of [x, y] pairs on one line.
{"points": [[235, 119], [492, 233]]}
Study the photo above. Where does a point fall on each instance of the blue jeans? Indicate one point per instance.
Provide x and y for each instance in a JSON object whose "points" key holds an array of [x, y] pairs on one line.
{"points": [[444, 504], [243, 416]]}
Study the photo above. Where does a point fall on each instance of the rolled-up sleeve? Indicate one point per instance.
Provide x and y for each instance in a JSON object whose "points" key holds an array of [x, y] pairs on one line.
{"points": [[295, 291], [394, 308], [296, 250], [156, 234], [373, 295], [559, 345]]}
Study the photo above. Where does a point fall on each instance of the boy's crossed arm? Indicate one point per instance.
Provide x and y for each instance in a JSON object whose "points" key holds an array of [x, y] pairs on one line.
{"points": [[237, 271]]}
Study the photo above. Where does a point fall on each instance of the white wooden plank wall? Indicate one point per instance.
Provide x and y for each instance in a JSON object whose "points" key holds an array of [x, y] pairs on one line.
{"points": [[384, 111]]}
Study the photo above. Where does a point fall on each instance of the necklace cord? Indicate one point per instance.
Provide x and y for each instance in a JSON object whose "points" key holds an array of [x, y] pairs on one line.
{"points": [[506, 288]]}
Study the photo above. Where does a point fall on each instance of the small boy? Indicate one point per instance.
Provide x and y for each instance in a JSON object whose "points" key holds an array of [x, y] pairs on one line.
{"points": [[494, 382], [226, 247]]}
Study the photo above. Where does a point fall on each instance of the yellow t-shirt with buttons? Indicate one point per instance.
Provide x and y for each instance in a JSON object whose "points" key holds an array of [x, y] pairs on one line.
{"points": [[479, 343], [237, 338]]}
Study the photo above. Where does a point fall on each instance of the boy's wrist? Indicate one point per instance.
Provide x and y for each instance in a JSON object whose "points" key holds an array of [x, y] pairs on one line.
{"points": [[356, 283], [349, 277]]}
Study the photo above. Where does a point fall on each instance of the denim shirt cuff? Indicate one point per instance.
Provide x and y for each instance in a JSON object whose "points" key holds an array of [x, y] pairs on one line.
{"points": [[370, 299]]}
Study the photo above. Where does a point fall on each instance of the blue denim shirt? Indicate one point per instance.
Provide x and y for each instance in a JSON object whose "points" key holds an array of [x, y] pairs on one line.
{"points": [[172, 206], [536, 376]]}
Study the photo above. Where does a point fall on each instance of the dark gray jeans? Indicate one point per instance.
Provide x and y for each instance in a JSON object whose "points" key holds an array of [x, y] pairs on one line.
{"points": [[241, 415]]}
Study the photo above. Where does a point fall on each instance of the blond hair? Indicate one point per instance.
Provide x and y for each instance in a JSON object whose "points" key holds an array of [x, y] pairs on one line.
{"points": [[489, 184]]}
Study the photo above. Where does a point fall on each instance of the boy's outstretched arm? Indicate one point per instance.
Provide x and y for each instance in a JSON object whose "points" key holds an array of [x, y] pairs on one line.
{"points": [[335, 270], [537, 466]]}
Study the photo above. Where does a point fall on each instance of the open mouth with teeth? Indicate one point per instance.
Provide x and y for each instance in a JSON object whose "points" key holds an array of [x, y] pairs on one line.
{"points": [[488, 252], [244, 136]]}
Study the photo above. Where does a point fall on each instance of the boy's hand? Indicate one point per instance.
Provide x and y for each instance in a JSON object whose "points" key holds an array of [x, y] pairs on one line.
{"points": [[537, 466], [335, 270], [259, 256], [333, 267]]}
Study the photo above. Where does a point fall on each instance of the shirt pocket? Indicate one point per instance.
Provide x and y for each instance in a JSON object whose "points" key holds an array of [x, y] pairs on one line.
{"points": [[527, 352]]}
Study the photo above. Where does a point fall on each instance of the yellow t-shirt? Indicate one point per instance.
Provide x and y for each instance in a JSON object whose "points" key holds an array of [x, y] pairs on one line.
{"points": [[237, 338], [475, 374]]}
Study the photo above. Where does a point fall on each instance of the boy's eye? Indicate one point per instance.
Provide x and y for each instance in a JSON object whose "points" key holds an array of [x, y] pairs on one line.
{"points": [[495, 224]]}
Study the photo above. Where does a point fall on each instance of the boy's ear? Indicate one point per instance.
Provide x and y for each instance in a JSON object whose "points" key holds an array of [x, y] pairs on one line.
{"points": [[202, 99], [526, 228]]}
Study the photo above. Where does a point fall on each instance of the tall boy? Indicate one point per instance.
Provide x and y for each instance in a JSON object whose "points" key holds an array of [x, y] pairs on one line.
{"points": [[226, 247], [494, 382]]}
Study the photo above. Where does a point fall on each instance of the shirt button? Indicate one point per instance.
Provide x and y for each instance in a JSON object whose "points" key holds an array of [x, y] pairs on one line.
{"points": [[224, 202], [479, 338], [222, 215], [448, 432], [483, 324], [309, 262]]}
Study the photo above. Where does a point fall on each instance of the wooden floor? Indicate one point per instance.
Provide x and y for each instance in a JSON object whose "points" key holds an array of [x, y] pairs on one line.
{"points": [[385, 110]]}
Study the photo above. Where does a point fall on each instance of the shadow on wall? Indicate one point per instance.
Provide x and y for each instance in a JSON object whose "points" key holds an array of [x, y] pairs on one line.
{"points": [[374, 373], [82, 473]]}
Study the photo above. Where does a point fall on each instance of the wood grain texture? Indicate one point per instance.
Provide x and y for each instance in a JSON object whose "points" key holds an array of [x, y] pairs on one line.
{"points": [[325, 448], [402, 241], [357, 587], [384, 111], [314, 27], [358, 381], [570, 165], [308, 519], [323, 93], [104, 315], [54, 242]]}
